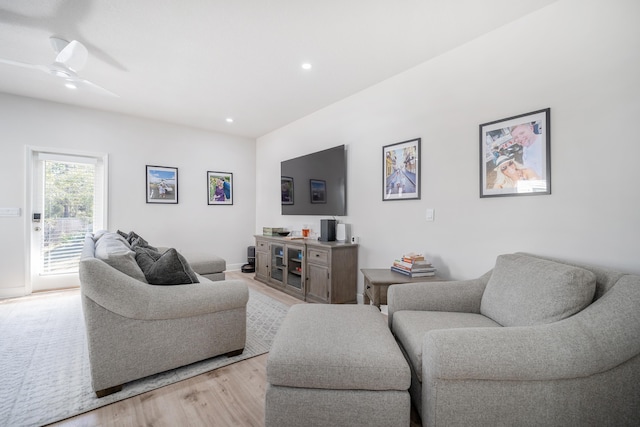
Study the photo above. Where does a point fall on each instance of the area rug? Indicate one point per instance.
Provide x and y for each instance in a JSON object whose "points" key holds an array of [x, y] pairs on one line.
{"points": [[44, 361]]}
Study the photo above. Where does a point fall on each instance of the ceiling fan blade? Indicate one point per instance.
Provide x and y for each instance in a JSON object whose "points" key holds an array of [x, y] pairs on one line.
{"points": [[24, 65], [95, 87], [74, 55]]}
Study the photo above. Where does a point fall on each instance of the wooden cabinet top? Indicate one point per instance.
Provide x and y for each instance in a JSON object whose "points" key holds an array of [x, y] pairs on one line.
{"points": [[308, 242]]}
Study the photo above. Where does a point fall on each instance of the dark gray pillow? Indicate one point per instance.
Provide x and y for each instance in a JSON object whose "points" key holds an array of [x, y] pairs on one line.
{"points": [[134, 239], [140, 242], [169, 268]]}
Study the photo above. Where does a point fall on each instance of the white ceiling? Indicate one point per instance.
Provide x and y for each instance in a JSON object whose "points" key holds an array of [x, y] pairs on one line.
{"points": [[197, 62]]}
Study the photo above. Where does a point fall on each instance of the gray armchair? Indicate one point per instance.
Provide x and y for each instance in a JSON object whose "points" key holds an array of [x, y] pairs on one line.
{"points": [[535, 341]]}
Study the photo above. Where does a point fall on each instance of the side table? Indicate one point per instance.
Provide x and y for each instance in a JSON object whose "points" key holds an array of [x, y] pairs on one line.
{"points": [[378, 280]]}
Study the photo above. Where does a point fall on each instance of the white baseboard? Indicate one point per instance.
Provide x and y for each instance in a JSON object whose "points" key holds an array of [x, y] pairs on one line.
{"points": [[234, 267], [12, 293]]}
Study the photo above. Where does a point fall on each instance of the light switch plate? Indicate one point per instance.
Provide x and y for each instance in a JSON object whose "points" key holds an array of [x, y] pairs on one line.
{"points": [[9, 211], [430, 214]]}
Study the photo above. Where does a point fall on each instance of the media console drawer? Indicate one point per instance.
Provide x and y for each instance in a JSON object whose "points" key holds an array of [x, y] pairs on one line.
{"points": [[262, 245], [317, 256]]}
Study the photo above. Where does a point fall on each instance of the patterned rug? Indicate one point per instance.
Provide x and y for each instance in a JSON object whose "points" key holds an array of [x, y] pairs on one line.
{"points": [[44, 362]]}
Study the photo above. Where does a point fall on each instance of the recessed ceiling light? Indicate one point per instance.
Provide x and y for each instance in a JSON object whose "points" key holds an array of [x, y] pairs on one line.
{"points": [[70, 85], [229, 120], [306, 66]]}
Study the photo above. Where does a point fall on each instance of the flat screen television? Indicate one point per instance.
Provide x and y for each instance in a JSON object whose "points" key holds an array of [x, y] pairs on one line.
{"points": [[315, 184]]}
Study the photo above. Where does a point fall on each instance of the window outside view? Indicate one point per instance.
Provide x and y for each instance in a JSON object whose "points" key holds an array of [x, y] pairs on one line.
{"points": [[68, 214]]}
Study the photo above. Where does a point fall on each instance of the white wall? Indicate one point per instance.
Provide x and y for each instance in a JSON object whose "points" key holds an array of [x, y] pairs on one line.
{"points": [[580, 58], [191, 226]]}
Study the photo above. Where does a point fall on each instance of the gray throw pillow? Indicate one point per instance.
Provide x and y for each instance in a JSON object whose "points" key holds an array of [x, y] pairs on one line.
{"points": [[115, 251], [169, 268], [525, 291]]}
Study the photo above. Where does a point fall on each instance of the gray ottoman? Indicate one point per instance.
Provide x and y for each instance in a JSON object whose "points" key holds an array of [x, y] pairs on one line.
{"points": [[336, 365]]}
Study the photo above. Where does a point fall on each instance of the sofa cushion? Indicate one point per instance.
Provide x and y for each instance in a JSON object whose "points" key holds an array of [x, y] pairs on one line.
{"points": [[207, 264], [525, 290], [168, 268], [115, 251]]}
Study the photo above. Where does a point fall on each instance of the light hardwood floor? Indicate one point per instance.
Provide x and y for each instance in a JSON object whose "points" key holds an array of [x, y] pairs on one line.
{"points": [[230, 396]]}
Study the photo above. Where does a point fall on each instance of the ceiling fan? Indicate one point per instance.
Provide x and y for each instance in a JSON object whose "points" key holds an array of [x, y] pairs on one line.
{"points": [[71, 58]]}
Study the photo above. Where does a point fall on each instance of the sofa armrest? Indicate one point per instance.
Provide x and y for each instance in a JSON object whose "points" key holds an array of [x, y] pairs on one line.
{"points": [[128, 297], [599, 338], [457, 296]]}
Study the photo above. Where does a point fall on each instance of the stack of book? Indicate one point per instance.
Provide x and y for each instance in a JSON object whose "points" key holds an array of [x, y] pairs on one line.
{"points": [[413, 265]]}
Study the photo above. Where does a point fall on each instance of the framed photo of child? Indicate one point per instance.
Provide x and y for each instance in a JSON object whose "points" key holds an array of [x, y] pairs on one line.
{"points": [[162, 184], [219, 188], [515, 155]]}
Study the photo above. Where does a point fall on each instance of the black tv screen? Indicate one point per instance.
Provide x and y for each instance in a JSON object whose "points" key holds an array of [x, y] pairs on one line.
{"points": [[315, 184]]}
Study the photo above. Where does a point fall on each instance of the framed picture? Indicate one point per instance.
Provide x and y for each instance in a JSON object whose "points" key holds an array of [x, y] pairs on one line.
{"points": [[219, 188], [401, 171], [515, 155], [162, 184], [318, 188], [286, 187]]}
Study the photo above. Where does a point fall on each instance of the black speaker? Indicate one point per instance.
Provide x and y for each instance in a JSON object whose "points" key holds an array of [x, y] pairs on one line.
{"points": [[251, 254], [250, 267], [327, 230]]}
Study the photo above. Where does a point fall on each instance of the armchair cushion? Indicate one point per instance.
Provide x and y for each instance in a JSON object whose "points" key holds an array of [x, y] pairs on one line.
{"points": [[410, 328], [525, 291]]}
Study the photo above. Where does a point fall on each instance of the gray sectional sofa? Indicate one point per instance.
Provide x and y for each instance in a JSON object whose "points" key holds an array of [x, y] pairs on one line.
{"points": [[136, 329], [535, 341]]}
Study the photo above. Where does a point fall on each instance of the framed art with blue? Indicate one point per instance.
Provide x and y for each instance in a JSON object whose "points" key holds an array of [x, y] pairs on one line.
{"points": [[401, 170]]}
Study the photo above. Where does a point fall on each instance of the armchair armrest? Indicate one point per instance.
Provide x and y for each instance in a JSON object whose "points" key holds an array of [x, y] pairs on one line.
{"points": [[599, 338], [457, 296]]}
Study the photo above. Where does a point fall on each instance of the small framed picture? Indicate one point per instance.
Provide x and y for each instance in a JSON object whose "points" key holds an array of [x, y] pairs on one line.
{"points": [[515, 156], [318, 188], [401, 171], [286, 187], [219, 188], [162, 184]]}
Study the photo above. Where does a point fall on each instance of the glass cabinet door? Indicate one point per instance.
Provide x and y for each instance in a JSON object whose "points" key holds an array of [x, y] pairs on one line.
{"points": [[294, 267], [277, 262]]}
